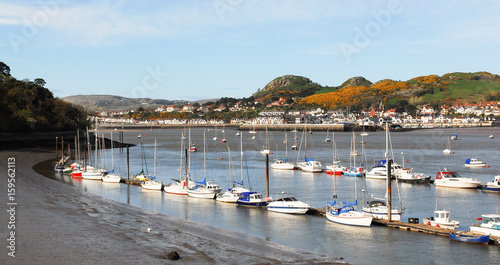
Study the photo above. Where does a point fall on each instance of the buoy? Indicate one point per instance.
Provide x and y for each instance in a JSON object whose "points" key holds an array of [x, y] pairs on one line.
{"points": [[221, 158], [428, 223], [437, 225], [487, 166]]}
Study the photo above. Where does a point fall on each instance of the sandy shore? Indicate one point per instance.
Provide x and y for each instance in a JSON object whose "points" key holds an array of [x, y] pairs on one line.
{"points": [[58, 224]]}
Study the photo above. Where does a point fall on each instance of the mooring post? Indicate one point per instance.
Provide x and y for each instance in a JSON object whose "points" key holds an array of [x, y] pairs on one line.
{"points": [[128, 165], [267, 175]]}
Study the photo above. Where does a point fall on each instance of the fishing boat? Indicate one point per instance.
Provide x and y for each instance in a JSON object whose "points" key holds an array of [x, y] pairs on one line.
{"points": [[473, 162], [493, 186], [284, 203], [441, 219], [490, 225], [467, 238], [252, 199], [407, 175], [450, 179]]}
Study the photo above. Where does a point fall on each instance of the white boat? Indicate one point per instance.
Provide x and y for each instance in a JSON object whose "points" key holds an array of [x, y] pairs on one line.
{"points": [[380, 171], [455, 137], [282, 165], [201, 192], [177, 188], [347, 215], [111, 178], [493, 186], [490, 225], [92, 175], [407, 175], [228, 197], [152, 184], [450, 179], [491, 136], [447, 151], [265, 150], [335, 168], [252, 199], [284, 203], [183, 184], [310, 165], [473, 162], [379, 208], [442, 219]]}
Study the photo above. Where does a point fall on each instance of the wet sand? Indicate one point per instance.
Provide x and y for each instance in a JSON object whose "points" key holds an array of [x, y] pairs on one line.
{"points": [[58, 224]]}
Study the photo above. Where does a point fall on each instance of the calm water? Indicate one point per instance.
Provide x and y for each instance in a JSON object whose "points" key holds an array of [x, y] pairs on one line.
{"points": [[422, 151]]}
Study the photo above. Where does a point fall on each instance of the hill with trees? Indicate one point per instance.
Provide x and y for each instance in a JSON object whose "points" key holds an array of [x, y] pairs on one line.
{"points": [[27, 106]]}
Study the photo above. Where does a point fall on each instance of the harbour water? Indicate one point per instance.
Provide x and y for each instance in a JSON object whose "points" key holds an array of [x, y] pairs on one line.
{"points": [[422, 151]]}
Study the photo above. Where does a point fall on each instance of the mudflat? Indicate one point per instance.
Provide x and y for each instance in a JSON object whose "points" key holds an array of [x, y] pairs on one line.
{"points": [[58, 224]]}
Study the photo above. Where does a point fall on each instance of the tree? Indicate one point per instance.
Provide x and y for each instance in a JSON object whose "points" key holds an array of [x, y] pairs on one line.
{"points": [[39, 82], [4, 69]]}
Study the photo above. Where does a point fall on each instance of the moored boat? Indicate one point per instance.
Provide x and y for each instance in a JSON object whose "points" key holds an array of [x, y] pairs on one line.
{"points": [[407, 175], [441, 219], [466, 238], [490, 225], [450, 179], [284, 203], [493, 186], [473, 162], [252, 199], [346, 214]]}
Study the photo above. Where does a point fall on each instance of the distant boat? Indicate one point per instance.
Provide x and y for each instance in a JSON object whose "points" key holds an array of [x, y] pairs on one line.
{"points": [[455, 137], [447, 151], [473, 162], [491, 136], [484, 239], [450, 179]]}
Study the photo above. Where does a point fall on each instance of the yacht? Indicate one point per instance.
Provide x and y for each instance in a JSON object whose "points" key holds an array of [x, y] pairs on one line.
{"points": [[284, 203], [473, 162], [451, 179], [490, 225]]}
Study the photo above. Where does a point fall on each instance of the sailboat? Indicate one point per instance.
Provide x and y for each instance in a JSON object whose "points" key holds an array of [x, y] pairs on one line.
{"points": [[228, 196], [215, 137], [294, 146], [335, 168], [327, 139], [152, 183], [377, 207], [111, 177], [200, 190], [353, 171], [346, 213], [265, 150], [224, 133], [309, 165], [180, 186], [92, 173], [283, 163], [447, 151]]}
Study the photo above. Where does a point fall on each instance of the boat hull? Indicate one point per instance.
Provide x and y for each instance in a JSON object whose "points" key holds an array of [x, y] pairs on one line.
{"points": [[176, 189], [485, 239], [457, 184], [111, 179], [484, 230], [201, 195], [152, 186], [351, 218], [92, 175], [251, 203], [289, 209]]}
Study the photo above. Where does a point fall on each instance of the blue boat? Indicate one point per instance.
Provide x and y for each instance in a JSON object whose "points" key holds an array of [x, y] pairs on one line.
{"points": [[493, 186], [485, 239], [252, 199]]}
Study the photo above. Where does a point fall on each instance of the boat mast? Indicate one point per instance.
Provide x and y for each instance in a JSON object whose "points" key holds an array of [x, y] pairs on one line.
{"points": [[388, 164], [230, 176], [355, 169], [204, 156]]}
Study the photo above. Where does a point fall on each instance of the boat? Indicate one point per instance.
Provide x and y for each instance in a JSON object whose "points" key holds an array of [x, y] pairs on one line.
{"points": [[346, 213], [490, 225], [473, 162], [215, 137], [192, 148], [353, 170], [232, 194], [380, 170], [90, 172], [407, 175], [381, 208], [237, 134], [447, 151], [252, 131], [327, 139], [283, 164], [450, 179], [152, 183], [284, 203], [309, 165], [455, 137], [335, 168], [467, 238], [201, 189], [110, 176], [491, 136], [180, 186], [493, 186], [441, 219], [265, 150], [252, 199]]}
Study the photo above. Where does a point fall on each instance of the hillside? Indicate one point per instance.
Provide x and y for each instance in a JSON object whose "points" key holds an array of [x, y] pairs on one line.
{"points": [[358, 93], [116, 103], [27, 106]]}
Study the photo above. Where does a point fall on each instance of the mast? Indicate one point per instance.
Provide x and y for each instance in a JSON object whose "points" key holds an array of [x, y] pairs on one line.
{"points": [[355, 169], [241, 157], [389, 201], [204, 156], [286, 145], [230, 175], [112, 153], [154, 162]]}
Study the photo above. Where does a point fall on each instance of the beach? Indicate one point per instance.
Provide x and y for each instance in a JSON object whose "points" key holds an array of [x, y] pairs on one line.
{"points": [[55, 223]]}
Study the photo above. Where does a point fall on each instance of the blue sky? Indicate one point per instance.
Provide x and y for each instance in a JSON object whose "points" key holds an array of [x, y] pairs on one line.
{"points": [[230, 48]]}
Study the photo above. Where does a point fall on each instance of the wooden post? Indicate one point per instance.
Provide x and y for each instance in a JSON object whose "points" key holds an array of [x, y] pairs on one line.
{"points": [[57, 151], [267, 175], [128, 165]]}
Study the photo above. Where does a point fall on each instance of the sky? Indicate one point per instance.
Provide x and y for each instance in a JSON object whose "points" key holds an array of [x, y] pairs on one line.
{"points": [[207, 49]]}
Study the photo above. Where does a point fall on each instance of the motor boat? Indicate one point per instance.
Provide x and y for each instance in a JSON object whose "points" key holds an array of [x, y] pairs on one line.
{"points": [[450, 179], [493, 186], [441, 219], [473, 162], [490, 225], [284, 203]]}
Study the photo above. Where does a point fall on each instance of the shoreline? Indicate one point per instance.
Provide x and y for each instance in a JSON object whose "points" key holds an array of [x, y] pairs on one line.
{"points": [[56, 223]]}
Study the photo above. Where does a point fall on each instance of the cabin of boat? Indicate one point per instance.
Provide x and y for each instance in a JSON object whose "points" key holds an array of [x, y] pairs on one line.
{"points": [[252, 198]]}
